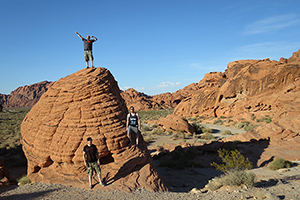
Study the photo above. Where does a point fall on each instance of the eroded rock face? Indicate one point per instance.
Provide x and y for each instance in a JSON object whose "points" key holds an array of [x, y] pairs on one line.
{"points": [[81, 105], [25, 96]]}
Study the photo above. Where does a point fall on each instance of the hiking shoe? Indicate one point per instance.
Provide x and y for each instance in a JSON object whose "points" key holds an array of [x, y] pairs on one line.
{"points": [[87, 67], [101, 184], [91, 187], [137, 146], [129, 144]]}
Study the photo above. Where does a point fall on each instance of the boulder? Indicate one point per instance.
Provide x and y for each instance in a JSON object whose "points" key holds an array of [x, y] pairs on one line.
{"points": [[85, 104], [175, 123]]}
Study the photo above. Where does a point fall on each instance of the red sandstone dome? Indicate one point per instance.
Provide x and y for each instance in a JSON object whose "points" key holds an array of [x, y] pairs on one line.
{"points": [[81, 105]]}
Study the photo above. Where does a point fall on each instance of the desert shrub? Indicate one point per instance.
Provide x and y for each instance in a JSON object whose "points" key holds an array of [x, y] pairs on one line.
{"points": [[177, 135], [206, 129], [211, 117], [197, 128], [228, 120], [233, 178], [180, 159], [201, 117], [244, 125], [218, 122], [253, 117], [227, 132], [23, 181], [10, 123], [157, 131], [193, 119], [280, 163], [268, 120], [232, 160], [145, 127], [207, 136], [154, 114]]}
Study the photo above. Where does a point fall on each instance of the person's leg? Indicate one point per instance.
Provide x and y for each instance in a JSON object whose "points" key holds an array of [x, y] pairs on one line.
{"points": [[129, 135], [137, 140], [86, 58], [92, 59], [90, 181]]}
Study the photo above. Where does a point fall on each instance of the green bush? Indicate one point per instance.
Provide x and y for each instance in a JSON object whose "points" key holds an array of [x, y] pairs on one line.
{"points": [[23, 181], [157, 131], [197, 127], [268, 120], [231, 161], [10, 123], [207, 136], [154, 114], [233, 178], [206, 129], [227, 132], [218, 122], [280, 163]]}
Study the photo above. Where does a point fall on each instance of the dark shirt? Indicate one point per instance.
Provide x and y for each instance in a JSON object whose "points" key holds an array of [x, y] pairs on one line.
{"points": [[133, 120], [91, 153], [88, 44]]}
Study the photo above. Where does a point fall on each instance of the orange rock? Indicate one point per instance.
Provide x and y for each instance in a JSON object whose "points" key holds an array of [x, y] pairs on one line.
{"points": [[84, 104], [175, 123]]}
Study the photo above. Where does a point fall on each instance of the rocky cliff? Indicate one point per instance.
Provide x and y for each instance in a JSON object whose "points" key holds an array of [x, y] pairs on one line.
{"points": [[85, 104], [25, 96]]}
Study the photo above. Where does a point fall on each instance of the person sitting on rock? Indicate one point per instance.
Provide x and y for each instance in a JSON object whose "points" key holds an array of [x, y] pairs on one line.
{"points": [[88, 48], [133, 126], [92, 160]]}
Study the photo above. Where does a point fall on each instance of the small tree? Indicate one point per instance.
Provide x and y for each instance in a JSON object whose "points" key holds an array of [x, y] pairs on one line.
{"points": [[232, 160]]}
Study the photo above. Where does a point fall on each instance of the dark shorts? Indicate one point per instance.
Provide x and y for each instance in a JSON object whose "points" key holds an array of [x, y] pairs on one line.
{"points": [[133, 129], [93, 166], [88, 55]]}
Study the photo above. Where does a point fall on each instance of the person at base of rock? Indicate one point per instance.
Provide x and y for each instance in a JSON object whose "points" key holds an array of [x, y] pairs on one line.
{"points": [[92, 160], [133, 126], [88, 48]]}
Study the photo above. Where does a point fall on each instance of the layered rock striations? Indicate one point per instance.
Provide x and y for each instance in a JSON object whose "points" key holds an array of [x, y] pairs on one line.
{"points": [[244, 87], [25, 96], [81, 105], [253, 89]]}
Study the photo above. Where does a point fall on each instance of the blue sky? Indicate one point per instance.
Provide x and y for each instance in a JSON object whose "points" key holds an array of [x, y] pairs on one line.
{"points": [[153, 46]]}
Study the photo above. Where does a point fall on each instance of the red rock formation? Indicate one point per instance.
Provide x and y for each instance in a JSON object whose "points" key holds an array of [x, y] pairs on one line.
{"points": [[237, 90], [175, 123], [84, 104], [257, 88], [25, 96]]}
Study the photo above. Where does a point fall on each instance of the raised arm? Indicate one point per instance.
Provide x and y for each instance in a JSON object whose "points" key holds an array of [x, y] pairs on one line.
{"points": [[94, 38], [79, 35]]}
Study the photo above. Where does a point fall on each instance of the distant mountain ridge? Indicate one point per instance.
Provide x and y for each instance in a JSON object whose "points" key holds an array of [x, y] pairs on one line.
{"points": [[25, 96]]}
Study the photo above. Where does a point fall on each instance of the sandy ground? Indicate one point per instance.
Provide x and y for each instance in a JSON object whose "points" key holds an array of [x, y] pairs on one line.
{"points": [[217, 131], [282, 184]]}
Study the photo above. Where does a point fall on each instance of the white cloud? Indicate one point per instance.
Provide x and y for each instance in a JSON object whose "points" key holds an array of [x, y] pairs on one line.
{"points": [[125, 88], [139, 88], [271, 24], [166, 85], [272, 50]]}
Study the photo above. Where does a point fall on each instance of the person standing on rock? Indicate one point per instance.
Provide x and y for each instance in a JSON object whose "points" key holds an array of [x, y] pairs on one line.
{"points": [[88, 48], [92, 160], [133, 126]]}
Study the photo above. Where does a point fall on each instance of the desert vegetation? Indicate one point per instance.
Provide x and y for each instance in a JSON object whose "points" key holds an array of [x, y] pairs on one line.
{"points": [[280, 163], [10, 123], [234, 166]]}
